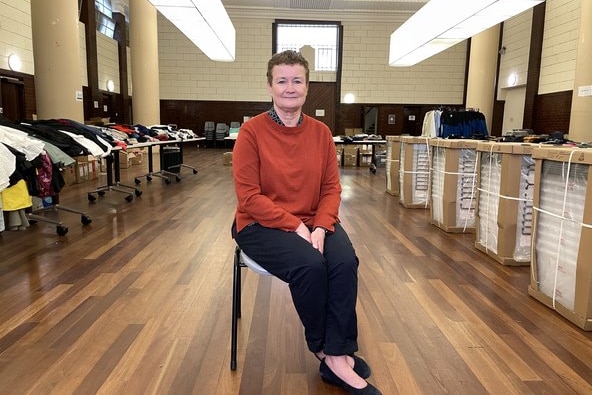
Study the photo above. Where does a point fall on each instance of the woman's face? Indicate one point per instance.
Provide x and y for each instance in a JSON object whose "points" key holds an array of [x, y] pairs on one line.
{"points": [[288, 87]]}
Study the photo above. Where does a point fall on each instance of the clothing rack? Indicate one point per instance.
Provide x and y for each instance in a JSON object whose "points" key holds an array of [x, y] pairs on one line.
{"points": [[113, 180], [61, 229], [166, 172]]}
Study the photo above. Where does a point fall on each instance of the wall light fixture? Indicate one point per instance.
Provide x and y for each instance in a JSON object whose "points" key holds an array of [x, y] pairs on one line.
{"points": [[14, 62]]}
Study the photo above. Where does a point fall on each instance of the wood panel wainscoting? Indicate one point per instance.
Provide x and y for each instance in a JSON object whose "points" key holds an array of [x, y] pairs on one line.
{"points": [[139, 302]]}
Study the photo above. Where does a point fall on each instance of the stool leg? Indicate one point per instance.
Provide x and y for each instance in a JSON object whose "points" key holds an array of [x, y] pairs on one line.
{"points": [[236, 302]]}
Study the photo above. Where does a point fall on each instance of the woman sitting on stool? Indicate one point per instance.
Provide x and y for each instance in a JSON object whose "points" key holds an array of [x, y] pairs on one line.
{"points": [[287, 186]]}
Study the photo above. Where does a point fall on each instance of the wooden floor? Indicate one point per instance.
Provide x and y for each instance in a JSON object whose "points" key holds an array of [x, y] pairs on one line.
{"points": [[138, 302]]}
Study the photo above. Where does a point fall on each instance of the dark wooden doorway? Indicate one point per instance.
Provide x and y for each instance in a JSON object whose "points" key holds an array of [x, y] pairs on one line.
{"points": [[13, 98], [112, 107], [412, 121], [321, 99]]}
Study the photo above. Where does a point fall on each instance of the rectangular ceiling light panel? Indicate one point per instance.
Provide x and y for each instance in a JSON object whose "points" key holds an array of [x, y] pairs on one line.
{"points": [[205, 23], [440, 24]]}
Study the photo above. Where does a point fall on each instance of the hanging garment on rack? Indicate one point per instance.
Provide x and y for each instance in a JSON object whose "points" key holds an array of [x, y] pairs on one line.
{"points": [[16, 197], [431, 123], [24, 168], [462, 124], [94, 134], [90, 145], [21, 141], [2, 224], [48, 134], [58, 157], [23, 180], [7, 166], [44, 177]]}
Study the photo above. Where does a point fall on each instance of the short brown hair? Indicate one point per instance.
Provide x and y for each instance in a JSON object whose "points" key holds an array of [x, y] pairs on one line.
{"points": [[289, 57]]}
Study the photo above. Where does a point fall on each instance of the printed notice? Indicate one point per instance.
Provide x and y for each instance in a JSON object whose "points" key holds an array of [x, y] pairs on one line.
{"points": [[585, 90], [320, 113]]}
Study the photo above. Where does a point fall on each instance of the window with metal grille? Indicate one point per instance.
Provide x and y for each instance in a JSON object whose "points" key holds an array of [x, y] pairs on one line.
{"points": [[324, 38], [104, 16]]}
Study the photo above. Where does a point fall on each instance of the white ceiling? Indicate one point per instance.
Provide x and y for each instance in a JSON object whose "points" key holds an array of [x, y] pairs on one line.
{"points": [[336, 5], [333, 9]]}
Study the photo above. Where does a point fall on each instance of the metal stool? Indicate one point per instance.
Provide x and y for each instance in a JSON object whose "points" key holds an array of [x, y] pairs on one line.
{"points": [[240, 260]]}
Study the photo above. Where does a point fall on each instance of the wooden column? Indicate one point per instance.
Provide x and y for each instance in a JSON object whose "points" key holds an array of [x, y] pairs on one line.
{"points": [[93, 100], [121, 37]]}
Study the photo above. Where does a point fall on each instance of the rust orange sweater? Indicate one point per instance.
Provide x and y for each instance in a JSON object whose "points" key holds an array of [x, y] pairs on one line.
{"points": [[286, 175]]}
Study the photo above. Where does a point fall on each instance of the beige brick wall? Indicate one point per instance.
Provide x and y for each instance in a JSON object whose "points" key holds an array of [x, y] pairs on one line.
{"points": [[516, 39], [16, 34], [186, 73], [558, 59], [108, 67], [83, 65], [368, 76]]}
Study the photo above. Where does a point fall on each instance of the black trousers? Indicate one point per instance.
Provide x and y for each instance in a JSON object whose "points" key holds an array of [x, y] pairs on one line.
{"points": [[324, 287]]}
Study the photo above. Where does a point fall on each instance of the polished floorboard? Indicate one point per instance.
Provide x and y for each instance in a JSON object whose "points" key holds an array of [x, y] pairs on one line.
{"points": [[139, 302]]}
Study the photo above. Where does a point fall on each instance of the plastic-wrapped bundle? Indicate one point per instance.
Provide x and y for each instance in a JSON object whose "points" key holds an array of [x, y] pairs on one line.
{"points": [[504, 206], [414, 173], [561, 274]]}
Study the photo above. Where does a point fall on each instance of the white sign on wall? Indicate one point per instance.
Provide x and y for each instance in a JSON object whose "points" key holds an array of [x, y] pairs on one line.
{"points": [[585, 90]]}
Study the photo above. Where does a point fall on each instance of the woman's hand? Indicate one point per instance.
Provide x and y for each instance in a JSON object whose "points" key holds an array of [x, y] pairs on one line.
{"points": [[318, 239], [303, 232]]}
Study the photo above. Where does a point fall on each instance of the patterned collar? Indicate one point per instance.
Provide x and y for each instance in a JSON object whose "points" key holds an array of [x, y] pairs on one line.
{"points": [[276, 118]]}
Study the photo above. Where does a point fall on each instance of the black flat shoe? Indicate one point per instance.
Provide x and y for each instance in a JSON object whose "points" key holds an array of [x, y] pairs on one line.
{"points": [[361, 367], [329, 377]]}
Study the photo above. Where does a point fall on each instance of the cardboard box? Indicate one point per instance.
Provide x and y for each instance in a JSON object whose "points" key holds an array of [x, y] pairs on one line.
{"points": [[364, 154], [503, 216], [350, 160], [365, 159], [453, 188], [85, 169], [349, 131], [339, 153], [227, 159], [88, 169], [562, 233], [102, 163], [69, 174], [393, 153], [414, 172], [392, 177], [350, 155], [380, 159], [365, 149], [137, 159], [138, 155], [125, 159], [393, 147]]}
